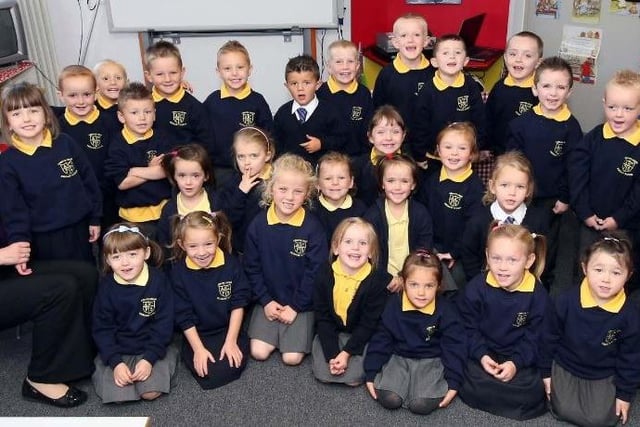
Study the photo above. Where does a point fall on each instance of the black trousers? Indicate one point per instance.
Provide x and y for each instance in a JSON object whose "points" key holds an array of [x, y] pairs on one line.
{"points": [[55, 297]]}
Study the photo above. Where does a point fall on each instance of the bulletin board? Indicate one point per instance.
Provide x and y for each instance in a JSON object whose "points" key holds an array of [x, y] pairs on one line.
{"points": [[225, 15]]}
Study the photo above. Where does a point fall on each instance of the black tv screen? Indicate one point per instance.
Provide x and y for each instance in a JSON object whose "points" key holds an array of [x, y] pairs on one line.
{"points": [[8, 41]]}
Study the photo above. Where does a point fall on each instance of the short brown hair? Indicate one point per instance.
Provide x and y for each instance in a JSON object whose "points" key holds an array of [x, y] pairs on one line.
{"points": [[135, 91], [529, 35], [76, 71], [300, 64], [162, 49], [233, 46]]}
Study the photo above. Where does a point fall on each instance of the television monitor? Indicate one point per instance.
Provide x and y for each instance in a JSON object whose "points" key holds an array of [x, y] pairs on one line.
{"points": [[13, 44]]}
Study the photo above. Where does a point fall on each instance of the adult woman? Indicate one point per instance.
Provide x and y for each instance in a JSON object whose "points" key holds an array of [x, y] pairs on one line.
{"points": [[53, 296]]}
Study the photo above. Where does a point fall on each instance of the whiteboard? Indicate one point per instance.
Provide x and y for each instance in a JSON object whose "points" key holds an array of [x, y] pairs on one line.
{"points": [[220, 15]]}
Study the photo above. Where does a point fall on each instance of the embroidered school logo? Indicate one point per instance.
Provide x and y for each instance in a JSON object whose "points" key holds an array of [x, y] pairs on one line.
{"points": [[429, 332], [463, 103], [454, 201], [299, 247], [523, 107], [420, 86], [557, 149], [178, 118], [95, 141], [151, 154], [628, 165], [148, 307], [356, 113], [521, 319], [248, 118], [68, 168], [224, 291], [611, 337]]}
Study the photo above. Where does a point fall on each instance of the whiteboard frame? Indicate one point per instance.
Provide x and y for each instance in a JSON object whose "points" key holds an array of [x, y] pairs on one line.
{"points": [[172, 15]]}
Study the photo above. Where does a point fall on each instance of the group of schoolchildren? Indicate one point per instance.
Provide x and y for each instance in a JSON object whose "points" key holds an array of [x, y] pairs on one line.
{"points": [[423, 284]]}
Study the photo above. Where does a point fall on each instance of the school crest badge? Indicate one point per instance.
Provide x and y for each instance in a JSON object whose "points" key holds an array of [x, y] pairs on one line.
{"points": [[68, 168], [356, 113], [454, 201], [558, 149], [627, 167], [299, 247], [429, 332], [611, 337], [521, 319], [248, 118], [523, 107], [95, 141], [463, 103], [151, 154], [224, 291], [178, 118], [420, 86], [147, 307]]}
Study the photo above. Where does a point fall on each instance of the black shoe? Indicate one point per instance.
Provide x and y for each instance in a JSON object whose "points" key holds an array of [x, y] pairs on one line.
{"points": [[73, 396]]}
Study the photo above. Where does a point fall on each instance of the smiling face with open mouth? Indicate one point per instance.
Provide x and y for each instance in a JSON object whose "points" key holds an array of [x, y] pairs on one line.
{"points": [[507, 259], [354, 249]]}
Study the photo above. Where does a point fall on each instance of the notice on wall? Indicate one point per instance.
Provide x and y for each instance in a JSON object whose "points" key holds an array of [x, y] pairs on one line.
{"points": [[580, 47], [547, 8], [586, 11], [624, 8]]}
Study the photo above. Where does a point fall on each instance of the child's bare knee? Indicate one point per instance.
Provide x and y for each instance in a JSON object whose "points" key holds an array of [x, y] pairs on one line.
{"points": [[261, 350], [150, 395], [292, 359]]}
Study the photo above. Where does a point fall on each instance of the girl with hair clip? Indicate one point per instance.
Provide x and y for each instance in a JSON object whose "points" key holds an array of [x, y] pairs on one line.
{"points": [[52, 197], [502, 312], [590, 358], [416, 357], [211, 292], [453, 196], [335, 185], [253, 150], [386, 134], [189, 170], [284, 249], [349, 296], [401, 223], [132, 320], [506, 200]]}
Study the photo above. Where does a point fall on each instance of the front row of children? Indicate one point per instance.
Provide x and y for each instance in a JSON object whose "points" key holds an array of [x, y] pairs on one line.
{"points": [[503, 346]]}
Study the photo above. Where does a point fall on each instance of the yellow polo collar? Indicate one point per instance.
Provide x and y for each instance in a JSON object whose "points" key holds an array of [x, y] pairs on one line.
{"points": [[28, 149], [460, 178], [334, 86], [359, 275], [141, 280], [105, 102], [527, 83], [562, 116], [408, 306], [633, 139], [587, 301], [526, 285], [224, 92], [267, 171], [346, 204], [402, 68], [217, 261], [375, 155], [132, 138], [175, 98], [296, 219], [89, 118], [442, 85]]}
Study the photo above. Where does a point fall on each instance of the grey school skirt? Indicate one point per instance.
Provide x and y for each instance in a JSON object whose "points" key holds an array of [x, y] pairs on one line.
{"points": [[161, 378], [580, 401], [412, 378], [294, 338], [354, 373]]}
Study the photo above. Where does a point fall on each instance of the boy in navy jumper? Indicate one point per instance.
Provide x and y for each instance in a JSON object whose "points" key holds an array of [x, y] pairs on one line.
{"points": [[512, 96], [399, 82], [90, 127], [306, 126], [135, 156], [449, 96], [352, 99], [234, 106], [603, 172], [178, 113]]}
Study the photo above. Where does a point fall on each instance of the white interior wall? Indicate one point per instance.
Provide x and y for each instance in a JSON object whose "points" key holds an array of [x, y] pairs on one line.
{"points": [[268, 53]]}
